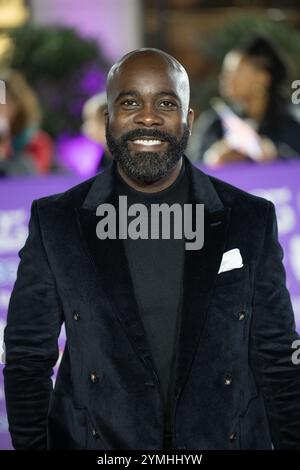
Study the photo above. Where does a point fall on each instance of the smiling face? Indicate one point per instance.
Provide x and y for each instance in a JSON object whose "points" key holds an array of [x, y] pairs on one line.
{"points": [[148, 120]]}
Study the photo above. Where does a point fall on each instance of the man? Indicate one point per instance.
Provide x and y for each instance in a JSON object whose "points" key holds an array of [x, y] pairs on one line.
{"points": [[166, 347]]}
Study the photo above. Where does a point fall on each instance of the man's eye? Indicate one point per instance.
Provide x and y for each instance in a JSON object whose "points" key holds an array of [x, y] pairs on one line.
{"points": [[129, 103], [167, 104]]}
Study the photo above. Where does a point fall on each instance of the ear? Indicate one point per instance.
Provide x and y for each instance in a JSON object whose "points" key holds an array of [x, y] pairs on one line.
{"points": [[190, 119], [105, 115]]}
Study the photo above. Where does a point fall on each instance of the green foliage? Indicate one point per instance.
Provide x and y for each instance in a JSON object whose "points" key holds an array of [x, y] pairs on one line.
{"points": [[281, 34], [58, 63]]}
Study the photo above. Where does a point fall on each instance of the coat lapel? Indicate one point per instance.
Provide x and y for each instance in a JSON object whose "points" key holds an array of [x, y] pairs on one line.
{"points": [[200, 271], [110, 264]]}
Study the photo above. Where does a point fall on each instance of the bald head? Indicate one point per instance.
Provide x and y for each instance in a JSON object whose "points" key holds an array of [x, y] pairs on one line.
{"points": [[145, 61], [144, 54]]}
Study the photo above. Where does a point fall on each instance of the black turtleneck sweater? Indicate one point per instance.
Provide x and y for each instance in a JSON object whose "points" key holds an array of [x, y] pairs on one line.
{"points": [[156, 268]]}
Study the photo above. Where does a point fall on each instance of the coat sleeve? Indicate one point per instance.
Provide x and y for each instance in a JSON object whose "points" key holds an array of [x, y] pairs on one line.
{"points": [[31, 343], [272, 335]]}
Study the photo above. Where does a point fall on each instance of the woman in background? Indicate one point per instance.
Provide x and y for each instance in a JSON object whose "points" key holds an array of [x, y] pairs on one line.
{"points": [[251, 83], [24, 147]]}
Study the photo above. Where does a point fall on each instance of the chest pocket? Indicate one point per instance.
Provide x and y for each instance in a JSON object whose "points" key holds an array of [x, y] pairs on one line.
{"points": [[229, 312], [231, 294], [233, 276]]}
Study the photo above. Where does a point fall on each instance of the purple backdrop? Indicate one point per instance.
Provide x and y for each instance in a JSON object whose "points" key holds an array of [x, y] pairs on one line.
{"points": [[278, 182]]}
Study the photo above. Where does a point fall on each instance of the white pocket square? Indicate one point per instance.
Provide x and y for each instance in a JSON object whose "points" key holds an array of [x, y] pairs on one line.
{"points": [[232, 259]]}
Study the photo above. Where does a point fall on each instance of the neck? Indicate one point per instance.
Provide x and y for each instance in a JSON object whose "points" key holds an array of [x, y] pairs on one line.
{"points": [[155, 187], [256, 107]]}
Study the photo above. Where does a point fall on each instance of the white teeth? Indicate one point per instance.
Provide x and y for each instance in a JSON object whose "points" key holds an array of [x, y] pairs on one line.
{"points": [[147, 142]]}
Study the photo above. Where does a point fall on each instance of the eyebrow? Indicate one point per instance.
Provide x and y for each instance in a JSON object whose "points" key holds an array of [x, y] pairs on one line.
{"points": [[169, 93], [126, 93], [135, 93]]}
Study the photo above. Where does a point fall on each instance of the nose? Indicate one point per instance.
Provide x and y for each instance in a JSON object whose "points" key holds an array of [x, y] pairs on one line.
{"points": [[148, 116]]}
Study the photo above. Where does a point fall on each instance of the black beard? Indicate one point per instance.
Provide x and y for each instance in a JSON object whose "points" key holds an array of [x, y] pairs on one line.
{"points": [[147, 167]]}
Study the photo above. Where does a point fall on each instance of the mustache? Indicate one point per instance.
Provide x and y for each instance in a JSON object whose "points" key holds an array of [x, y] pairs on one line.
{"points": [[148, 133]]}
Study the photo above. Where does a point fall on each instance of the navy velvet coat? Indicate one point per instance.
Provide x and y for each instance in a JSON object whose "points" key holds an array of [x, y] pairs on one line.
{"points": [[236, 386]]}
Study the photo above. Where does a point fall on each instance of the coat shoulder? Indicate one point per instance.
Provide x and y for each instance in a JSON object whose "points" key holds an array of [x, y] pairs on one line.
{"points": [[234, 197], [71, 198]]}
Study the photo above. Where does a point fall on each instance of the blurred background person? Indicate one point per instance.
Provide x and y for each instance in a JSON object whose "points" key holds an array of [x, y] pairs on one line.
{"points": [[24, 147], [254, 121], [85, 153], [93, 126]]}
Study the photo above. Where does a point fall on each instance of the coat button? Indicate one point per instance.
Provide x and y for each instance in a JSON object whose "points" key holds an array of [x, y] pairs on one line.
{"points": [[95, 433], [76, 316], [93, 377], [149, 384], [232, 436], [228, 379], [241, 315]]}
